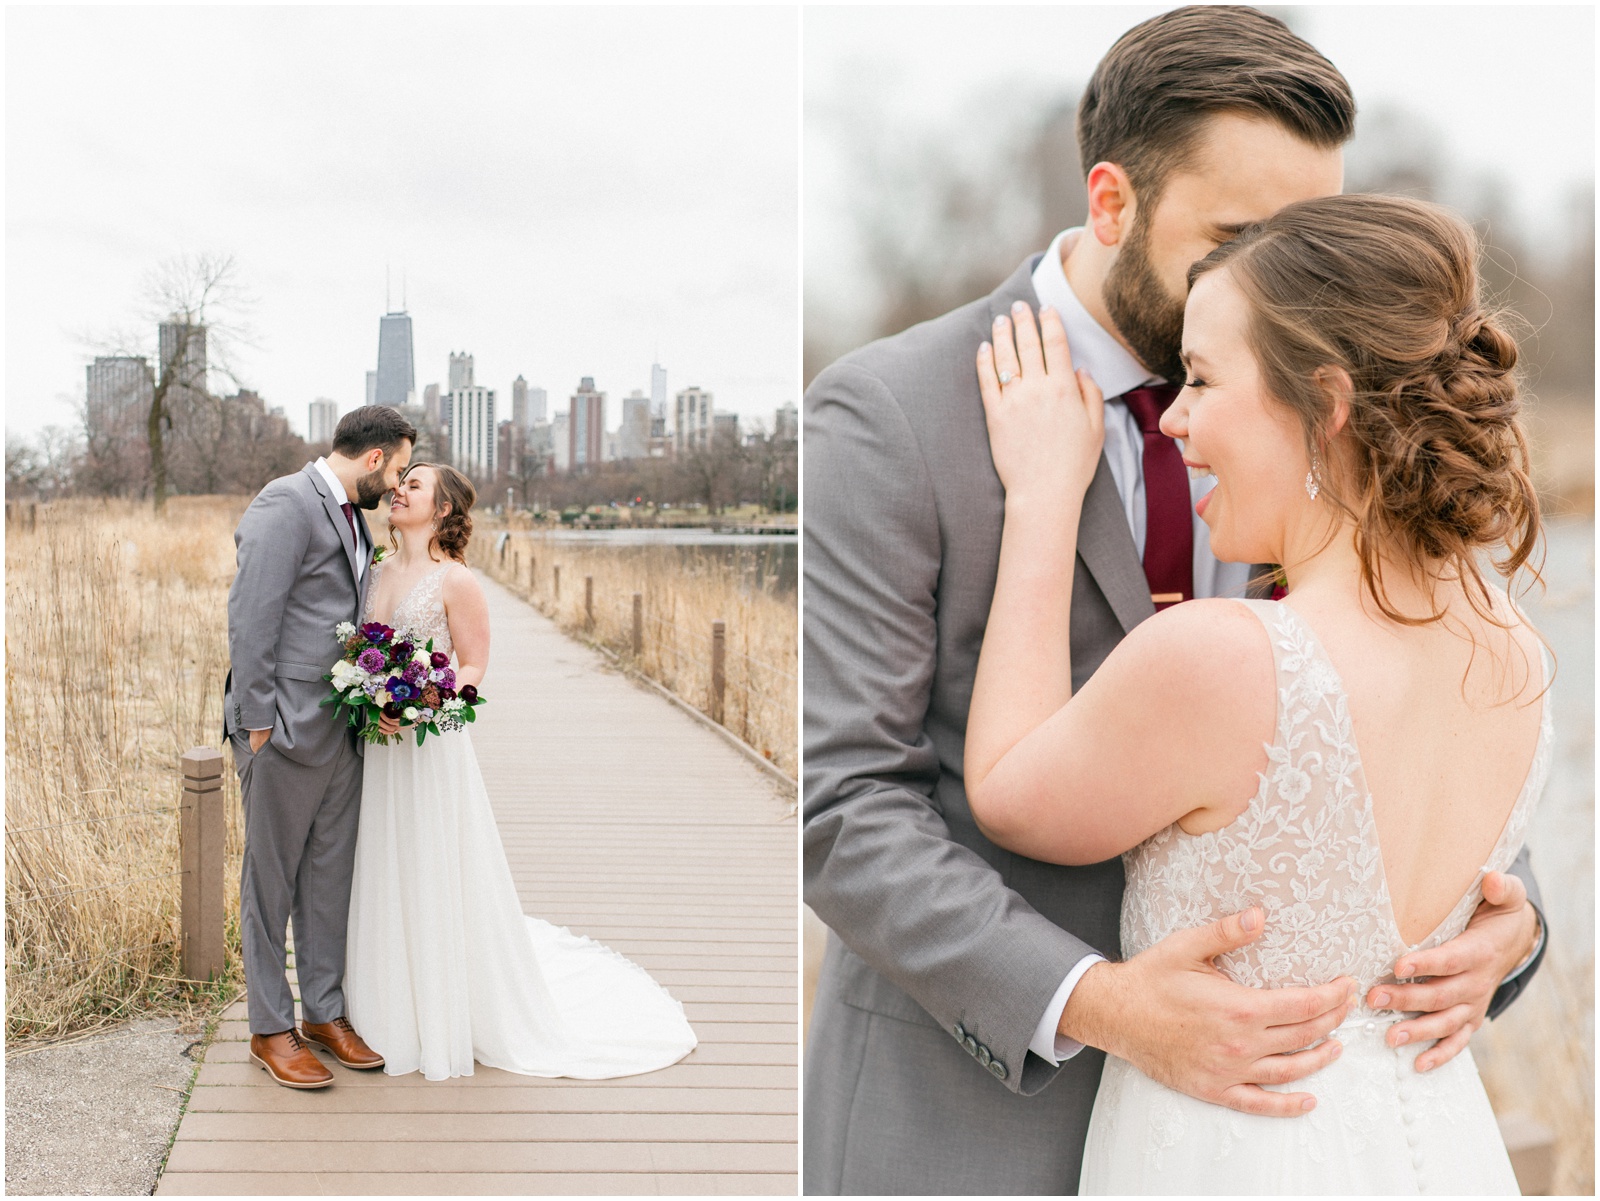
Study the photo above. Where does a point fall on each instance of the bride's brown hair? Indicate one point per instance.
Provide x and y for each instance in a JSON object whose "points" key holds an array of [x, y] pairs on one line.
{"points": [[1433, 462], [453, 530]]}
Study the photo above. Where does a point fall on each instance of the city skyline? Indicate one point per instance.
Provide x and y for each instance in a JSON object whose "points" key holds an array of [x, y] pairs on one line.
{"points": [[611, 220]]}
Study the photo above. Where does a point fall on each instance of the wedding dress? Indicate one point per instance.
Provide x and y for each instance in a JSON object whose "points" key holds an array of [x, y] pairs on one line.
{"points": [[1305, 851], [443, 968]]}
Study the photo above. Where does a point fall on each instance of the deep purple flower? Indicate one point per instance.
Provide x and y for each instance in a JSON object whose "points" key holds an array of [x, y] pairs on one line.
{"points": [[402, 650], [376, 631], [393, 710], [448, 679], [446, 694], [412, 673], [370, 660], [439, 659], [470, 694]]}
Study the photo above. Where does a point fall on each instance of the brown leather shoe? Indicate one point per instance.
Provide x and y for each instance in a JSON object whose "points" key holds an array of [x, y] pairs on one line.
{"points": [[289, 1061], [340, 1037]]}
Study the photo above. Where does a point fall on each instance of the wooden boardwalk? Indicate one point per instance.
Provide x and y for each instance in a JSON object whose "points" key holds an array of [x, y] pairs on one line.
{"points": [[624, 819]]}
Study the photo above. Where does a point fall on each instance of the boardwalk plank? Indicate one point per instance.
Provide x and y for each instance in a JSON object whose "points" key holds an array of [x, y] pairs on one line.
{"points": [[627, 821]]}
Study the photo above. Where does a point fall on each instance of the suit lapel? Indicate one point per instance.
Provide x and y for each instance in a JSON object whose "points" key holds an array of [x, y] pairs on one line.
{"points": [[1105, 544], [336, 515]]}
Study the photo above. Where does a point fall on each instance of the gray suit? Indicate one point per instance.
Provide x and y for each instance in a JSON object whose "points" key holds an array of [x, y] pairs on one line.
{"points": [[947, 950], [297, 579]]}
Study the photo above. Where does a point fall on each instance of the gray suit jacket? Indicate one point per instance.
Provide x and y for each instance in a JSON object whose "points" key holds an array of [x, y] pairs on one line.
{"points": [[297, 579], [947, 949]]}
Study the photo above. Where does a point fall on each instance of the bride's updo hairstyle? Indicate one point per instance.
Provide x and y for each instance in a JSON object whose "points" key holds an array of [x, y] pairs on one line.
{"points": [[1432, 465], [451, 488]]}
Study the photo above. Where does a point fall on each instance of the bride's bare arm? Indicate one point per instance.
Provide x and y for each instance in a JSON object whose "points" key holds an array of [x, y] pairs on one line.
{"points": [[466, 609], [1172, 724]]}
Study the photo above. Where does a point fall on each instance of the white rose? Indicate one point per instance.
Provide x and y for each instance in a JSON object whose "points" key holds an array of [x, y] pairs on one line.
{"points": [[411, 713], [381, 697], [420, 656]]}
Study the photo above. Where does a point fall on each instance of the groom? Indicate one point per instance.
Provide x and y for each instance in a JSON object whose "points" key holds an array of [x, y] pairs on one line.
{"points": [[963, 979], [304, 550]]}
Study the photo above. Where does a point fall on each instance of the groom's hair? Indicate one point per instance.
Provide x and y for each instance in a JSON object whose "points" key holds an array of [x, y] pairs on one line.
{"points": [[1157, 86], [360, 430]]}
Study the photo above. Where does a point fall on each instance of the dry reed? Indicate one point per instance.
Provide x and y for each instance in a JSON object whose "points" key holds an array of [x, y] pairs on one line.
{"points": [[682, 594], [116, 650]]}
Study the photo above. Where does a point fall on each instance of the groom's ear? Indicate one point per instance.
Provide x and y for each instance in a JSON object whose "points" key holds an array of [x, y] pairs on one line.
{"points": [[1111, 203]]}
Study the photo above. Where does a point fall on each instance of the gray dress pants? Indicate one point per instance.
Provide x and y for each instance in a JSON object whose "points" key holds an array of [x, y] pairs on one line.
{"points": [[299, 857]]}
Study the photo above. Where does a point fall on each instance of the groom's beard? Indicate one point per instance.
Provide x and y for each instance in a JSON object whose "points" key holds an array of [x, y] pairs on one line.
{"points": [[370, 489], [1148, 317]]}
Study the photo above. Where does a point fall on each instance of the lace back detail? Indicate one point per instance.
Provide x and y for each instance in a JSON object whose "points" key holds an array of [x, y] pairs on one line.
{"points": [[1305, 849], [421, 611]]}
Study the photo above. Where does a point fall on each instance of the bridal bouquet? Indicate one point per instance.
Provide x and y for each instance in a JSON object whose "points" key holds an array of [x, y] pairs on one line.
{"points": [[386, 671]]}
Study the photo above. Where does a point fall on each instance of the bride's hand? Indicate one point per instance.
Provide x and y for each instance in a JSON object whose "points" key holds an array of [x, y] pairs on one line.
{"points": [[1046, 422]]}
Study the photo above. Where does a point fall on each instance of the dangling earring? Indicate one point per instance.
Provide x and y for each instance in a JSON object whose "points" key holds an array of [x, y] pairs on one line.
{"points": [[1314, 477]]}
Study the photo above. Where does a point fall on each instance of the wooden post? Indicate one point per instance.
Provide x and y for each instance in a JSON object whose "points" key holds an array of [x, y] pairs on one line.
{"points": [[719, 673], [201, 830], [33, 515], [516, 567], [638, 625], [8, 512], [588, 602], [557, 581]]}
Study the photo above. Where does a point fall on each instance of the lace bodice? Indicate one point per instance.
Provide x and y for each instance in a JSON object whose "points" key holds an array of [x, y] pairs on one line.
{"points": [[420, 611], [1305, 849]]}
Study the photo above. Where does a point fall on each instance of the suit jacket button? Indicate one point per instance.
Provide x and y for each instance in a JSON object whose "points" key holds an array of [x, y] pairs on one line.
{"points": [[971, 1045], [961, 1033], [998, 1068], [984, 1057]]}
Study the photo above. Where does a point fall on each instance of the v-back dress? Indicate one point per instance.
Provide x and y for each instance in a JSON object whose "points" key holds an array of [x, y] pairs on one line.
{"points": [[442, 967], [1306, 851]]}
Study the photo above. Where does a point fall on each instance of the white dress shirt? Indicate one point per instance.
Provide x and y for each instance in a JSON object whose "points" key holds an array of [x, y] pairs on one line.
{"points": [[1097, 351], [340, 497]]}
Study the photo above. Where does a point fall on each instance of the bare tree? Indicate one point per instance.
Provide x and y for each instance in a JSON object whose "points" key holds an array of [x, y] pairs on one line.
{"points": [[196, 304]]}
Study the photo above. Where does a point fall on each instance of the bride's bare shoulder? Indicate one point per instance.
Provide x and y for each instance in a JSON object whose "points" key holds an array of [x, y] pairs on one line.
{"points": [[460, 583], [1221, 643]]}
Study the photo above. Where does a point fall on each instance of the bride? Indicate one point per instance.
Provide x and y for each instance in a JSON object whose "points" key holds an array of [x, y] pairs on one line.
{"points": [[442, 967], [1347, 763]]}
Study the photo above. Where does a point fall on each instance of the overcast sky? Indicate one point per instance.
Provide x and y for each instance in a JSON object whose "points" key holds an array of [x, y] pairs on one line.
{"points": [[567, 191], [1508, 90]]}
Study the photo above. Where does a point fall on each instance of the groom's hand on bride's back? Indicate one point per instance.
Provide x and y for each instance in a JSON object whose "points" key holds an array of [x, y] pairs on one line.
{"points": [[1175, 1017]]}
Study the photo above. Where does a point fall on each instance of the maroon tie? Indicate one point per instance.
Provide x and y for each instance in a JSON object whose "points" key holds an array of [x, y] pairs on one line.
{"points": [[350, 516], [1168, 526]]}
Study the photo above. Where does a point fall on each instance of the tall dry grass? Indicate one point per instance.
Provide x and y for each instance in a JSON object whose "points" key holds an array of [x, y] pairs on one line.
{"points": [[116, 651], [681, 596]]}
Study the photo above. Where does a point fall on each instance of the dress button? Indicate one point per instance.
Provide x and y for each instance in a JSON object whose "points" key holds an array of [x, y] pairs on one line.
{"points": [[1411, 1137], [1405, 1092], [1408, 1117], [1416, 1159], [1372, 1027]]}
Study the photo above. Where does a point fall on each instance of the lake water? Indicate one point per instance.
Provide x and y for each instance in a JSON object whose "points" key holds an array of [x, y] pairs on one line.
{"points": [[766, 560]]}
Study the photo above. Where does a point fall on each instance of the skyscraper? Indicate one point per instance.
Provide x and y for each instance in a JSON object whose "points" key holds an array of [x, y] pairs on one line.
{"points": [[183, 355], [118, 394], [633, 439], [460, 370], [786, 425], [587, 426], [372, 387], [658, 391], [472, 429], [324, 418], [430, 404], [397, 378], [519, 403], [561, 441], [692, 427], [536, 406]]}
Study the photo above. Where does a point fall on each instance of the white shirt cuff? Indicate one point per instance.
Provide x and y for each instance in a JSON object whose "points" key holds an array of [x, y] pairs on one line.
{"points": [[1538, 945], [1048, 1043]]}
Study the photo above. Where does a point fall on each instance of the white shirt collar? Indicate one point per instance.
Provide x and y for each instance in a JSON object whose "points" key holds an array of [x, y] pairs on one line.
{"points": [[1094, 348], [340, 497]]}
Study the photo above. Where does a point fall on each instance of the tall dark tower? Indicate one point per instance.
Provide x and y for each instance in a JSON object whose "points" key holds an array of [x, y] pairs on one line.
{"points": [[397, 378]]}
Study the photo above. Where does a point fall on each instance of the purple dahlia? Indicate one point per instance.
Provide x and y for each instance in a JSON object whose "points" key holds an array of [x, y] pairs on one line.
{"points": [[370, 660]]}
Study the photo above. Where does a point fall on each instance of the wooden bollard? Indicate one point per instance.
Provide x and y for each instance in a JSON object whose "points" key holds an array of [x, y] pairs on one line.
{"points": [[33, 515], [202, 827], [516, 567], [556, 580], [588, 602], [719, 673], [638, 626]]}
